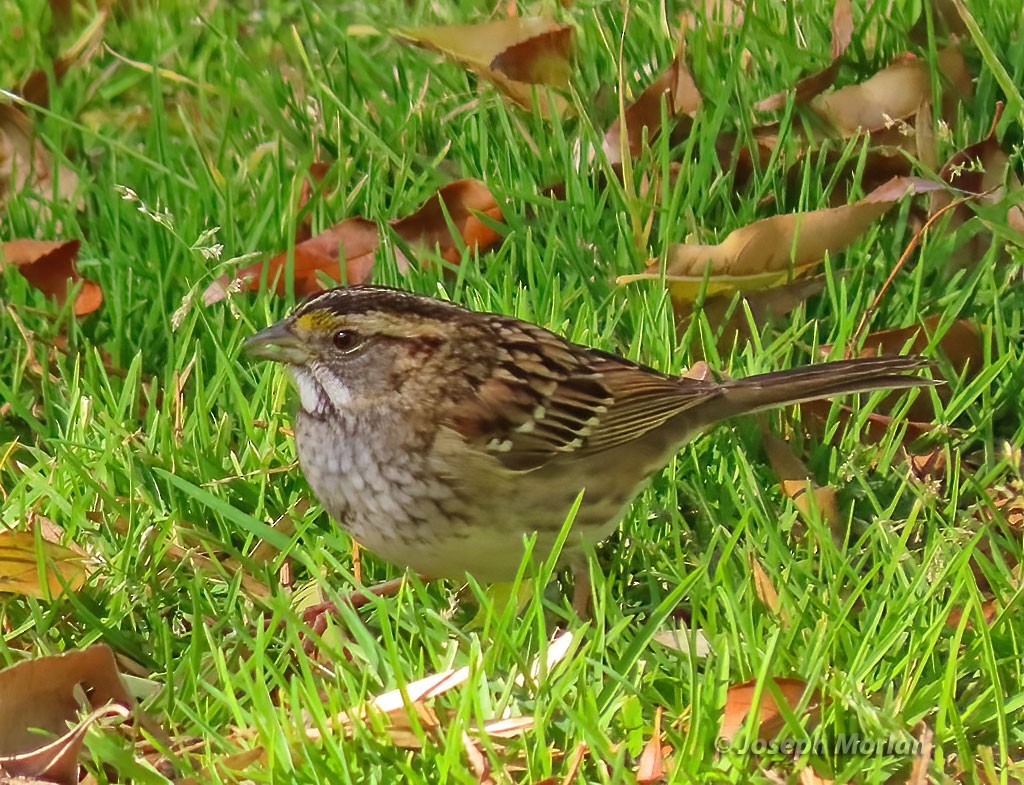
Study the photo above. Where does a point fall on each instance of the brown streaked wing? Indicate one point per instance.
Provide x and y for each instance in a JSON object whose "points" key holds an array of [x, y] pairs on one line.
{"points": [[644, 400], [551, 397]]}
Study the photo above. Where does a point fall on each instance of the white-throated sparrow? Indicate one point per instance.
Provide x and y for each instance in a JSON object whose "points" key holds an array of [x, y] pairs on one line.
{"points": [[438, 437]]}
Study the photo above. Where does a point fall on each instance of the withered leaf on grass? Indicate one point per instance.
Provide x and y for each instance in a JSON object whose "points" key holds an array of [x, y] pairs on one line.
{"points": [[764, 307], [515, 53], [346, 251], [63, 568], [876, 428], [642, 118], [810, 86], [651, 766], [796, 482], [36, 88], [50, 267], [56, 763], [765, 589], [774, 250], [893, 94], [42, 695], [25, 163], [739, 700], [981, 172]]}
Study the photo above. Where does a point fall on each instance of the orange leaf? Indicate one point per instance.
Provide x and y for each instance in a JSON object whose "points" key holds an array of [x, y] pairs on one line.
{"points": [[50, 266], [346, 252], [651, 766], [63, 568], [796, 480], [739, 700], [464, 201]]}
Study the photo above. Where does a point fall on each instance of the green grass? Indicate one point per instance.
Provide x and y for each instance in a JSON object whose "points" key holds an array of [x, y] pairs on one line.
{"points": [[217, 130]]}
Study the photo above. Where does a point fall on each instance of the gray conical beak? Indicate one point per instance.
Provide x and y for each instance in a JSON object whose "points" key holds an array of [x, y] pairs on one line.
{"points": [[277, 343]]}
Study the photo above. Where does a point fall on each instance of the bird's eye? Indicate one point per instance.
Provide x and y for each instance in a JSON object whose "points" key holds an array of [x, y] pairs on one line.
{"points": [[346, 341]]}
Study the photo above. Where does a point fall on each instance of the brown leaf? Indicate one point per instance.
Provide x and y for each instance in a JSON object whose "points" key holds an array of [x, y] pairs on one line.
{"points": [[774, 250], [810, 86], [464, 201], [43, 695], [919, 771], [542, 59], [651, 766], [36, 88], [25, 163], [63, 568], [989, 610], [981, 172], [876, 427], [57, 761], [739, 701], [796, 481], [961, 342], [764, 307], [346, 251], [894, 93], [515, 53], [50, 267], [765, 589], [642, 118], [809, 776], [478, 763]]}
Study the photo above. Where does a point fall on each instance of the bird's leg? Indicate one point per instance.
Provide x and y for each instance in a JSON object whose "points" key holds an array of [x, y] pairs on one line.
{"points": [[316, 615], [581, 587]]}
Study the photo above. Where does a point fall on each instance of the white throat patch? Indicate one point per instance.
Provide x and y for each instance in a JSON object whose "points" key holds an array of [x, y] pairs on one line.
{"points": [[319, 387]]}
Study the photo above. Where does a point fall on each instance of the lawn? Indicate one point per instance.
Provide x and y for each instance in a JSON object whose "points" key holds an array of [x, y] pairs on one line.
{"points": [[854, 571]]}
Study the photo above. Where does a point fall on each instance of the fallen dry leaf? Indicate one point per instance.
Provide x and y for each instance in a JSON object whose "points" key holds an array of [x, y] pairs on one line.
{"points": [[876, 428], [989, 609], [24, 162], [893, 94], [465, 202], [651, 766], [765, 589], [796, 481], [56, 762], [395, 701], [809, 776], [810, 86], [774, 250], [36, 87], [980, 172], [63, 568], [961, 342], [515, 53], [346, 251], [478, 763], [679, 640], [642, 119], [44, 695], [50, 267], [727, 315], [739, 700]]}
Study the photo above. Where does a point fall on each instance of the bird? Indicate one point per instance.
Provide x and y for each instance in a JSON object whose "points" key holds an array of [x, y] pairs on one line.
{"points": [[441, 438]]}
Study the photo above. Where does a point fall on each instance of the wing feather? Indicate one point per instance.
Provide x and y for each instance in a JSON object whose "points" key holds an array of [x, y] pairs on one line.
{"points": [[549, 397]]}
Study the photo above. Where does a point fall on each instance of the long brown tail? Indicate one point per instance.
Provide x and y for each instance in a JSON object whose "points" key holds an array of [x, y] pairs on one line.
{"points": [[813, 382]]}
